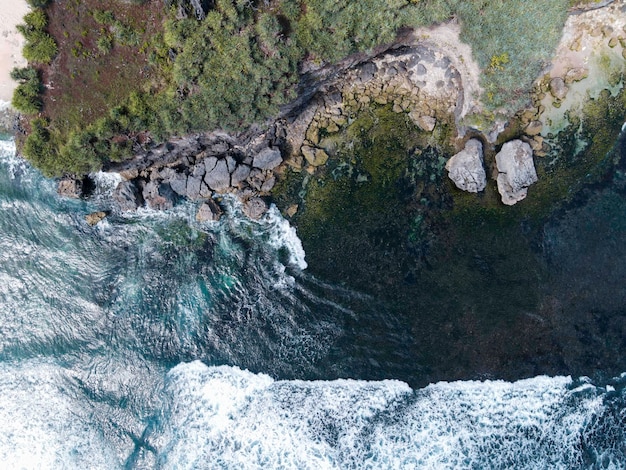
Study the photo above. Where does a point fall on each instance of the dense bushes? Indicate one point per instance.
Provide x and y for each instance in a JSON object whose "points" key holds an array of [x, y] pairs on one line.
{"points": [[27, 95], [239, 64], [40, 47]]}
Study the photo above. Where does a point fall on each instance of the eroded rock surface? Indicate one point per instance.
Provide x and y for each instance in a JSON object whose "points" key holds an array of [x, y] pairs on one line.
{"points": [[516, 171], [466, 169]]}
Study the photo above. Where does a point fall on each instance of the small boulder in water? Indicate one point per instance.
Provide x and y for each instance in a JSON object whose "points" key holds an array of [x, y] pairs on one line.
{"points": [[465, 168], [95, 217]]}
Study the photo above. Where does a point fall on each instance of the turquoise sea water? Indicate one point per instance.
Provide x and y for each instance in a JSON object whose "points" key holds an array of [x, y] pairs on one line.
{"points": [[151, 341]]}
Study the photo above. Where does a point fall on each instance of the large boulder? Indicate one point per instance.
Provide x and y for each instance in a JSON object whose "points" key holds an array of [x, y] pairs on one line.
{"points": [[516, 171], [267, 159], [126, 196], [209, 211], [466, 169], [240, 174], [218, 178]]}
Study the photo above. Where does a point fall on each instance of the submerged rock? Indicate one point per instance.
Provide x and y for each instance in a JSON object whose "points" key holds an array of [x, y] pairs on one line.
{"points": [[465, 168], [516, 171]]}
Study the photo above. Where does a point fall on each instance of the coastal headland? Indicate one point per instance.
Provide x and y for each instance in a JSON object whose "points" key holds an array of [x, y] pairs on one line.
{"points": [[423, 168]]}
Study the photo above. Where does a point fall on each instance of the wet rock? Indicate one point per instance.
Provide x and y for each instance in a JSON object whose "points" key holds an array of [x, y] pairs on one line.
{"points": [[576, 74], [255, 207], [558, 88], [516, 171], [70, 187], [267, 159], [218, 179], [314, 156], [240, 174], [95, 217], [426, 123], [533, 128], [158, 196], [209, 211], [126, 196], [466, 169]]}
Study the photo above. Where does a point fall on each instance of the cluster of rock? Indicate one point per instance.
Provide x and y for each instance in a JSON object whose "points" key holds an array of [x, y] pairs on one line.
{"points": [[514, 162], [418, 81], [199, 168]]}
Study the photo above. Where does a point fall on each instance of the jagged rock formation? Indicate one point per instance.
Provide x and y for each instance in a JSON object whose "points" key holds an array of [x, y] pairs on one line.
{"points": [[465, 168], [516, 171]]}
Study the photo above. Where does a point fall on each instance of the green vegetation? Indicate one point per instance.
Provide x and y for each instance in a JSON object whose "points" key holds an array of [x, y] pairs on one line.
{"points": [[40, 47], [238, 65], [27, 95]]}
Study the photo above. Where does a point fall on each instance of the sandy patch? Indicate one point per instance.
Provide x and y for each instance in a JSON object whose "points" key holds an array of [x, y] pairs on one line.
{"points": [[446, 38], [11, 43]]}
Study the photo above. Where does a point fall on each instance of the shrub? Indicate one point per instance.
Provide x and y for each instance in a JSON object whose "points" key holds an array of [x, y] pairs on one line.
{"points": [[27, 95], [40, 47], [36, 20], [38, 3]]}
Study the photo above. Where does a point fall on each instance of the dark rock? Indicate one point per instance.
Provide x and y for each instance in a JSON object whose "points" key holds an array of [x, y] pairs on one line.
{"points": [[218, 179], [209, 211], [421, 70], [367, 71], [194, 184], [158, 196], [267, 159], [70, 187], [442, 63], [240, 174], [255, 207], [126, 196], [219, 148]]}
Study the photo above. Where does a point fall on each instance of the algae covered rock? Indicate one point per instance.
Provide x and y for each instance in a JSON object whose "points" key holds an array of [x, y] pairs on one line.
{"points": [[465, 168], [516, 171]]}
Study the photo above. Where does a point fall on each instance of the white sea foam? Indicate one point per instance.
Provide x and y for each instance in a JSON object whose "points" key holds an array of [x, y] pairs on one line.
{"points": [[283, 235], [40, 427], [223, 417], [105, 181]]}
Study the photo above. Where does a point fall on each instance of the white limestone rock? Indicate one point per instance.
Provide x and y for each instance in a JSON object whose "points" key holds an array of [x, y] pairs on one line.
{"points": [[516, 171], [466, 169]]}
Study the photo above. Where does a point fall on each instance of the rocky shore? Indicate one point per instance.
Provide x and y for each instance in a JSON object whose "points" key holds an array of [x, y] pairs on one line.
{"points": [[429, 77]]}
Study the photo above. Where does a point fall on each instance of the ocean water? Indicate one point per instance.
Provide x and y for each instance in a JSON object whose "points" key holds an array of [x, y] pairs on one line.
{"points": [[152, 341]]}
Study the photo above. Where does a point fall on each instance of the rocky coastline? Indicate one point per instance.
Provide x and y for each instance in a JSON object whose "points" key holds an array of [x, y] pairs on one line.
{"points": [[426, 75]]}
